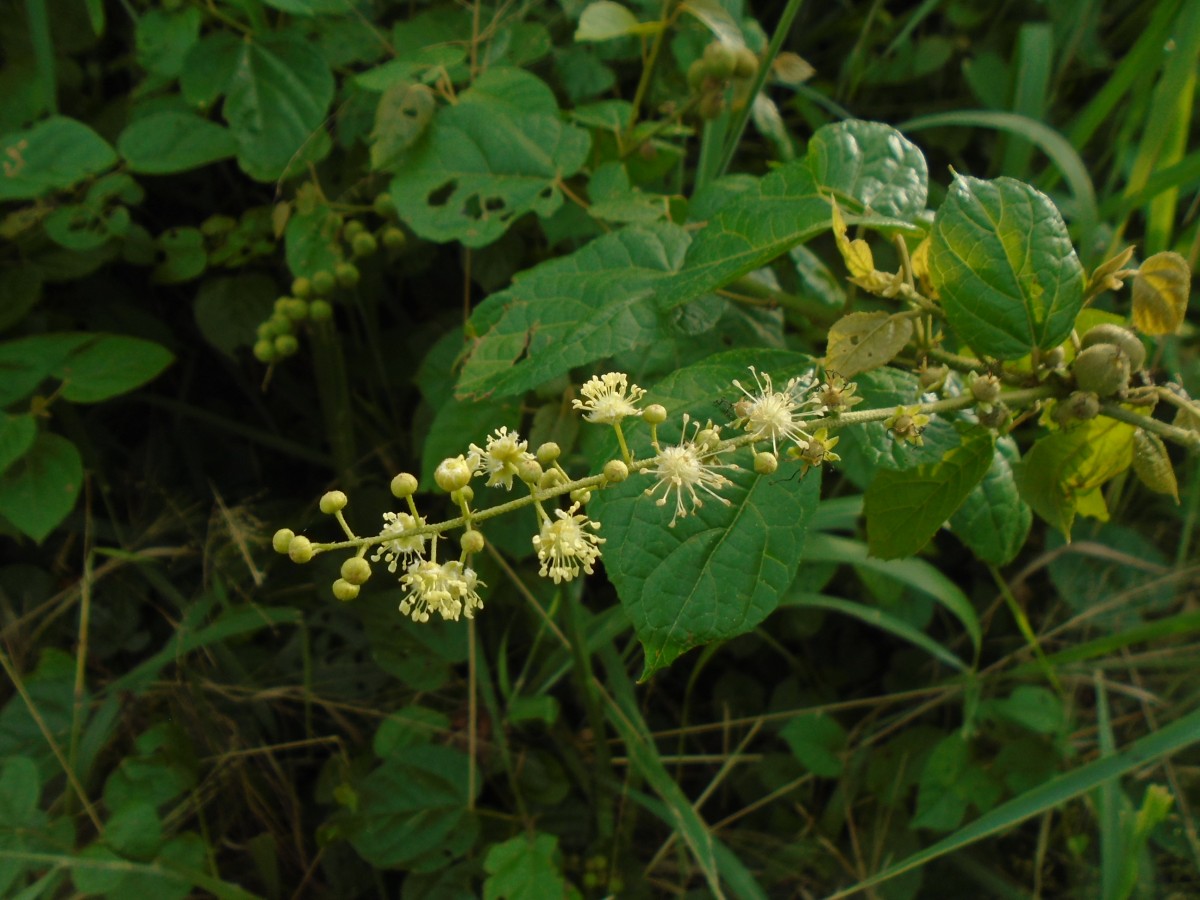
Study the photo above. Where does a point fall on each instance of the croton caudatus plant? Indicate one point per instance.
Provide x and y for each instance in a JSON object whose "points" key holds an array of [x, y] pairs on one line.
{"points": [[984, 376]]}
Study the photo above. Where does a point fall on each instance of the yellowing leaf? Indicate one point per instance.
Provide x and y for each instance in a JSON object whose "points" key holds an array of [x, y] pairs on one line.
{"points": [[605, 20], [863, 341], [1160, 293], [403, 114], [856, 253], [1153, 465], [1109, 275]]}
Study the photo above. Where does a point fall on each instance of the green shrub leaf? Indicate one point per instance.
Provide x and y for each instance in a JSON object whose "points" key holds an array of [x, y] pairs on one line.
{"points": [[525, 867], [872, 163], [994, 521], [605, 20], [39, 489], [862, 341], [1004, 266], [905, 509], [17, 434], [167, 142], [109, 365], [53, 155]]}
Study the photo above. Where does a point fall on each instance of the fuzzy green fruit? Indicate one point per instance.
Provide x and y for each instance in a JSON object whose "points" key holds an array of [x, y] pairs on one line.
{"points": [[1119, 336], [1102, 369]]}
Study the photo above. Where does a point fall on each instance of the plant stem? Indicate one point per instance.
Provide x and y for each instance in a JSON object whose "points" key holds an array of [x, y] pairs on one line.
{"points": [[602, 771], [639, 95], [1181, 436]]}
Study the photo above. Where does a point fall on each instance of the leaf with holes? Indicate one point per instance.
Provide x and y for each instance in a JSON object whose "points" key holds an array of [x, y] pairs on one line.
{"points": [[53, 155], [872, 163], [481, 166], [863, 341], [1004, 266], [722, 569]]}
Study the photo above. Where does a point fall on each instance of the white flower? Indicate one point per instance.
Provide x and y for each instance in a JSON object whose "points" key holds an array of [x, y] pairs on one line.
{"points": [[400, 546], [610, 398], [565, 546], [768, 413], [503, 457], [686, 468], [446, 588]]}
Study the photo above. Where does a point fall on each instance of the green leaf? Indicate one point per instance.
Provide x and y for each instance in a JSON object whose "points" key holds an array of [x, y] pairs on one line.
{"points": [[78, 227], [483, 165], [862, 341], [1034, 708], [402, 115], [17, 434], [167, 142], [614, 199], [721, 571], [905, 509], [311, 240], [765, 221], [109, 365], [164, 38], [1004, 266], [994, 521], [604, 20], [816, 741], [915, 573], [1061, 473], [134, 830], [276, 103], [872, 163], [567, 312], [410, 806], [183, 256], [228, 309], [949, 782], [525, 867], [39, 490], [208, 68], [20, 290], [20, 788], [53, 155]]}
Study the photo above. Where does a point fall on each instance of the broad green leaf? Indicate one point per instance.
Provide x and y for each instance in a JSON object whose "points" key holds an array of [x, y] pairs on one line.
{"points": [[17, 434], [481, 166], [614, 199], [311, 238], [949, 783], [162, 768], [78, 227], [1003, 264], [567, 312], [408, 727], [276, 102], [863, 341], [39, 489], [228, 309], [1160, 293], [179, 867], [720, 571], [404, 112], [716, 18], [1061, 474], [994, 521], [1033, 707], [905, 509], [26, 362], [410, 806], [525, 867], [134, 830], [872, 163], [163, 39], [20, 788], [20, 290], [208, 68], [182, 258], [915, 573], [167, 142], [53, 155], [605, 20], [777, 212], [1054, 794], [108, 365], [310, 7], [816, 741]]}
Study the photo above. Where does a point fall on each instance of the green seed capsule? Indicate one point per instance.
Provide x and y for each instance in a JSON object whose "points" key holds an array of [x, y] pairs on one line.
{"points": [[364, 245], [323, 283]]}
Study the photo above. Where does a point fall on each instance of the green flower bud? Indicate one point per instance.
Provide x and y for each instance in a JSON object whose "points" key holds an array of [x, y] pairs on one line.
{"points": [[302, 287], [333, 501], [282, 539], [708, 438], [985, 388], [356, 570], [765, 463], [394, 238], [471, 541], [1103, 369], [323, 283], [320, 311], [347, 274], [1080, 406], [654, 414], [529, 471], [300, 549], [1053, 358], [463, 495], [615, 471], [296, 309], [548, 453], [384, 206], [264, 351], [404, 485], [452, 474], [345, 591], [550, 479], [353, 229], [719, 60], [1119, 336], [286, 345], [364, 244], [582, 496]]}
